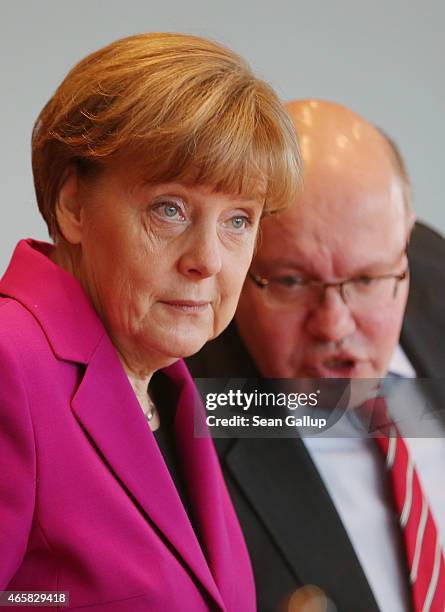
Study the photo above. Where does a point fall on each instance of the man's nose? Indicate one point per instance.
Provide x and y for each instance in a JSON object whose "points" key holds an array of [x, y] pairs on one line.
{"points": [[331, 319], [202, 255]]}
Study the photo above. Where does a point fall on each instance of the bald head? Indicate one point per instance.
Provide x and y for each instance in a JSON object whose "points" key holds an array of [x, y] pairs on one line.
{"points": [[339, 146], [351, 223], [330, 133]]}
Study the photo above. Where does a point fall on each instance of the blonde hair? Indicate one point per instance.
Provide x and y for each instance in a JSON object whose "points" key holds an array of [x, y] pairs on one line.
{"points": [[182, 107]]}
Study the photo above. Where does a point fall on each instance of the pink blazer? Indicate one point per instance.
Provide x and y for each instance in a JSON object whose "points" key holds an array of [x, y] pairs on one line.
{"points": [[87, 504]]}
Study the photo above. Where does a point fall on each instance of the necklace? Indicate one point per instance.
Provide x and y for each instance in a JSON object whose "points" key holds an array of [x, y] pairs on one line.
{"points": [[151, 409]]}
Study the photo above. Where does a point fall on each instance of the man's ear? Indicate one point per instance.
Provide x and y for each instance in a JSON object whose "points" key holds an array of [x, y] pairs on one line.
{"points": [[69, 211]]}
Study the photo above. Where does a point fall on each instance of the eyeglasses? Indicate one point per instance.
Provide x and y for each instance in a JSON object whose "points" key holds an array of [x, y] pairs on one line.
{"points": [[358, 293]]}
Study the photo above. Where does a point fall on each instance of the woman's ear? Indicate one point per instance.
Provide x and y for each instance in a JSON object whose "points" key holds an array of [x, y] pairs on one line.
{"points": [[69, 210]]}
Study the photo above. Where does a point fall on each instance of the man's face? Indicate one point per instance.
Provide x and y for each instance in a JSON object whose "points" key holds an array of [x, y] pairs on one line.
{"points": [[345, 227]]}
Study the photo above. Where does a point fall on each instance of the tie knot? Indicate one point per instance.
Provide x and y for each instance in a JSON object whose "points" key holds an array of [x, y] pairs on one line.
{"points": [[374, 413]]}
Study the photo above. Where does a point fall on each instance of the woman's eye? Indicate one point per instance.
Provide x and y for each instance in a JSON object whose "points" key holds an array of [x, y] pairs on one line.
{"points": [[170, 210], [239, 222]]}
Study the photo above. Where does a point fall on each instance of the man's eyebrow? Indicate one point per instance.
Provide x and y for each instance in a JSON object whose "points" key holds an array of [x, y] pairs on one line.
{"points": [[280, 260], [283, 263], [300, 269], [380, 264], [285, 268]]}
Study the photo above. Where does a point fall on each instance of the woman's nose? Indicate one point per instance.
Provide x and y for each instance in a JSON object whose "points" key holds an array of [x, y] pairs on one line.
{"points": [[202, 255], [331, 319]]}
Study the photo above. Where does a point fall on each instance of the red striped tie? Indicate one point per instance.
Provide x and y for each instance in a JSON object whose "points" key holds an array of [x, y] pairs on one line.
{"points": [[423, 549]]}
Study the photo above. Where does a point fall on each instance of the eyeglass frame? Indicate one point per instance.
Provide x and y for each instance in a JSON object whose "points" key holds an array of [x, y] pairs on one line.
{"points": [[263, 282]]}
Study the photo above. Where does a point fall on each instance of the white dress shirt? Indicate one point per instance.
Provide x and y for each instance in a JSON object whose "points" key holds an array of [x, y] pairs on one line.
{"points": [[353, 473]]}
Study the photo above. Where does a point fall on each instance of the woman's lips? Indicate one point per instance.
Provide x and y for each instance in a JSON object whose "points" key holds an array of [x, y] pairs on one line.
{"points": [[187, 306]]}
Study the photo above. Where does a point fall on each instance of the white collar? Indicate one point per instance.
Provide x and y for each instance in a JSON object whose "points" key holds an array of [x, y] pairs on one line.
{"points": [[400, 364]]}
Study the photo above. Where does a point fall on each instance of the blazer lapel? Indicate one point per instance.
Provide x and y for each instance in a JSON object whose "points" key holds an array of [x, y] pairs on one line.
{"points": [[205, 483], [297, 511], [108, 410]]}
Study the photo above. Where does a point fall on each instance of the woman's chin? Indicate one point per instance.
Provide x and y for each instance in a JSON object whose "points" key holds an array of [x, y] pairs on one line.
{"points": [[179, 346], [186, 349]]}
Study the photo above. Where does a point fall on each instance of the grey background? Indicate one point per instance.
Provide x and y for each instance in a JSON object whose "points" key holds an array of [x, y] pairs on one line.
{"points": [[384, 59]]}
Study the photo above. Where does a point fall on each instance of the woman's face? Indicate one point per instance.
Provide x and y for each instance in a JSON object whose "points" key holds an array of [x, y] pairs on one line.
{"points": [[163, 264]]}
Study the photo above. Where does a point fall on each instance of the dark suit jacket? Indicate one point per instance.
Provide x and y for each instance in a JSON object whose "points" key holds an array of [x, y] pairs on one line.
{"points": [[292, 528]]}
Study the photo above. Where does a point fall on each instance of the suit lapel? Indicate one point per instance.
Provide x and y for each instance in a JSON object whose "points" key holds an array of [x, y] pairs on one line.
{"points": [[292, 502], [296, 509], [421, 339], [108, 410], [424, 324]]}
